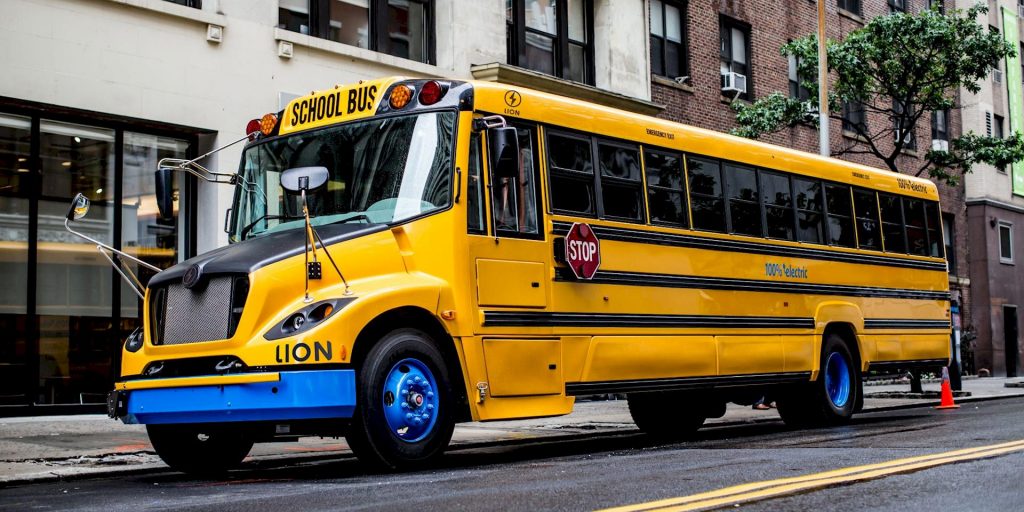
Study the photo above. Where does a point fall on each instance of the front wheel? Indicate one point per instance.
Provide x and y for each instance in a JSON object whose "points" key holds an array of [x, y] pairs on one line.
{"points": [[404, 415], [833, 397], [202, 450]]}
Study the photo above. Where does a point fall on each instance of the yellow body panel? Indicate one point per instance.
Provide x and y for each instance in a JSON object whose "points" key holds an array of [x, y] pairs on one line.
{"points": [[462, 280]]}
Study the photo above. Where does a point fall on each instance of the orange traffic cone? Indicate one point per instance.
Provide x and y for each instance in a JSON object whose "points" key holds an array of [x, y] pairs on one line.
{"points": [[947, 392]]}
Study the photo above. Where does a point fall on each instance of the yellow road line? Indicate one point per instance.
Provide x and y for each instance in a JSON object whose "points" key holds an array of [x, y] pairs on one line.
{"points": [[771, 488]]}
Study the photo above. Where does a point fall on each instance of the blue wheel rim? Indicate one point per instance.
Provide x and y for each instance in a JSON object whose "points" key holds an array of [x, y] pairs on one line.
{"points": [[410, 400], [837, 379]]}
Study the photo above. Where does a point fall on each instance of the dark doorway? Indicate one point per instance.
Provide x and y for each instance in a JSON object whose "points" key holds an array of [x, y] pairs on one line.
{"points": [[1010, 346]]}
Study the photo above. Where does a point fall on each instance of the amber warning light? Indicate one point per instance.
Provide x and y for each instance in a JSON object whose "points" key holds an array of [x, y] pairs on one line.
{"points": [[400, 96], [268, 123]]}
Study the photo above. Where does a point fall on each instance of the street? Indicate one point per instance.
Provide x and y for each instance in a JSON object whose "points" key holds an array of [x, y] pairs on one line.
{"points": [[612, 469]]}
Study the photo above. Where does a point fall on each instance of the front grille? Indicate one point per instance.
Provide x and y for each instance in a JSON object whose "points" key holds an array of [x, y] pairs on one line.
{"points": [[205, 312]]}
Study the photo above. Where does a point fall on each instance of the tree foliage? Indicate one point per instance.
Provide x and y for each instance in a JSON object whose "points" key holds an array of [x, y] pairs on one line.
{"points": [[901, 67]]}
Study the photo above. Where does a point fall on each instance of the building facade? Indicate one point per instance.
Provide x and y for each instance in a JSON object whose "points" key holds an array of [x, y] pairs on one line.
{"points": [[99, 90], [995, 205]]}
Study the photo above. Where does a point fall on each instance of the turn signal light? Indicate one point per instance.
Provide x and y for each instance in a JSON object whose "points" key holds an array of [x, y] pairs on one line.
{"points": [[431, 93], [268, 123], [400, 96]]}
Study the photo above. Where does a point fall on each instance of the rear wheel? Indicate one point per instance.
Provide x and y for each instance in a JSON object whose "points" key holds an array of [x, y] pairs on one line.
{"points": [[404, 410], [667, 414], [198, 449], [833, 397]]}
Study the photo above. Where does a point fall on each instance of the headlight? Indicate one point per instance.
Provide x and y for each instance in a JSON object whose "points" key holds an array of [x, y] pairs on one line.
{"points": [[306, 318]]}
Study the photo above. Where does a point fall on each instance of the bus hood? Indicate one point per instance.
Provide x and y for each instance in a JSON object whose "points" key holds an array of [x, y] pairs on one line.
{"points": [[249, 255]]}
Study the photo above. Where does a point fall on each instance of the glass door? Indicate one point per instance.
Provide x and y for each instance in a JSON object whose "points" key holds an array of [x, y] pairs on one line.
{"points": [[15, 191]]}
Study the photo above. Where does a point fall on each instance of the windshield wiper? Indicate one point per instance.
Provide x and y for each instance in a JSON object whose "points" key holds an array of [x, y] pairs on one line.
{"points": [[262, 218]]}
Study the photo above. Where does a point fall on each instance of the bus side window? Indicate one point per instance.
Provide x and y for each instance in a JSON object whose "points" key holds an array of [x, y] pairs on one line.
{"points": [[892, 223], [621, 185], [913, 216], [744, 210], [808, 210], [514, 200], [865, 209], [706, 196], [475, 192], [840, 215], [777, 197], [572, 174], [666, 192]]}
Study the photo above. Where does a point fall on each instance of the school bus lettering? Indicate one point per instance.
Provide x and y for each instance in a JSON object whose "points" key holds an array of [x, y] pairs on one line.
{"points": [[301, 352], [333, 105], [348, 247]]}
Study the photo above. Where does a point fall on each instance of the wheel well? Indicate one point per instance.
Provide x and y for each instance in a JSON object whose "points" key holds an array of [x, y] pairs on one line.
{"points": [[849, 335], [423, 320]]}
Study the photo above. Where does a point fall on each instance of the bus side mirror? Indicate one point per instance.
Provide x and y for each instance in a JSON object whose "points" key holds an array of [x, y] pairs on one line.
{"points": [[79, 207], [297, 179], [165, 192], [503, 146]]}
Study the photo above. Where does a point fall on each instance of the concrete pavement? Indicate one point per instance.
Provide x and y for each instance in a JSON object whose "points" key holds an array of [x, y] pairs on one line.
{"points": [[66, 447]]}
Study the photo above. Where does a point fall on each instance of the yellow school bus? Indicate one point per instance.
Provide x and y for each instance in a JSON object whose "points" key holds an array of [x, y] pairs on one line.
{"points": [[410, 254]]}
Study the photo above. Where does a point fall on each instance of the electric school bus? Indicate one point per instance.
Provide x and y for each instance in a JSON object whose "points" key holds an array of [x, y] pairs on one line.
{"points": [[409, 254]]}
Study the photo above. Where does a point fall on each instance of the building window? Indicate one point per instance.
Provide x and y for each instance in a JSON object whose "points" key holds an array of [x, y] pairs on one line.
{"points": [[949, 240], [853, 118], [897, 5], [552, 37], [940, 125], [851, 6], [403, 28], [902, 129], [734, 52], [997, 126], [1005, 242], [195, 4], [668, 39], [796, 87]]}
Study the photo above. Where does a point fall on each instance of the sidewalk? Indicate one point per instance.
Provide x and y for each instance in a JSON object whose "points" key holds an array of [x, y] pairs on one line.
{"points": [[66, 447]]}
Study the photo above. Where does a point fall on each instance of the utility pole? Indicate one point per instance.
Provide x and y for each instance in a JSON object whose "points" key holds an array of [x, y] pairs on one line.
{"points": [[822, 84]]}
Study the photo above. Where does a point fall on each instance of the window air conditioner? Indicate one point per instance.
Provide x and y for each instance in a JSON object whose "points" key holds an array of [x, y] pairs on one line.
{"points": [[734, 82], [940, 145], [997, 76]]}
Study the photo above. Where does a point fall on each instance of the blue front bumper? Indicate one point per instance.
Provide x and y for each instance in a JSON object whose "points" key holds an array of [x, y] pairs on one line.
{"points": [[298, 395]]}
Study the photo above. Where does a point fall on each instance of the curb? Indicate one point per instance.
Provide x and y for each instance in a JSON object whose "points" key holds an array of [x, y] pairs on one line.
{"points": [[269, 461]]}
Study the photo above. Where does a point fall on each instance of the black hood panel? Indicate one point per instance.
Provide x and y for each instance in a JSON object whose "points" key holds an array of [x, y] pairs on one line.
{"points": [[250, 255]]}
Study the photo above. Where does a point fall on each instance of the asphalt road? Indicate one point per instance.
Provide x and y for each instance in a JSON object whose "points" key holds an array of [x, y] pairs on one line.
{"points": [[610, 470]]}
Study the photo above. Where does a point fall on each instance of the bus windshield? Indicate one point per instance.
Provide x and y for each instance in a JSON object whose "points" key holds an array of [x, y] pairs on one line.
{"points": [[382, 171]]}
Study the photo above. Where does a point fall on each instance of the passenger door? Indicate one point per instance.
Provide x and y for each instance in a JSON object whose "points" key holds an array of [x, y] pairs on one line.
{"points": [[509, 254]]}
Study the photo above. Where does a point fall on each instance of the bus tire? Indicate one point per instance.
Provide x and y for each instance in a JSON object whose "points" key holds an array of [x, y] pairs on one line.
{"points": [[670, 415], [832, 398], [200, 449], [404, 414]]}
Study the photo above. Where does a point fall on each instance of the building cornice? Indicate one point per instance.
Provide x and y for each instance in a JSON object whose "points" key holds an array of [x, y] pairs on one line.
{"points": [[995, 204]]}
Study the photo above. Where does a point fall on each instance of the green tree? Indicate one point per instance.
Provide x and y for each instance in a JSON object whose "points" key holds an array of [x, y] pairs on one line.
{"points": [[901, 67]]}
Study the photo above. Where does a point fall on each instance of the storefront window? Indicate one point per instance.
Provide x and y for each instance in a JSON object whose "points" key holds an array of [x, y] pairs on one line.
{"points": [[73, 291], [15, 147]]}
